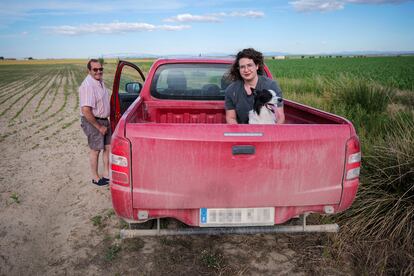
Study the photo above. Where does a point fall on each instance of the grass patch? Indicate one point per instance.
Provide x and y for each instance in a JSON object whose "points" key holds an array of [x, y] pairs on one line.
{"points": [[15, 197], [381, 220], [112, 252], [97, 221], [356, 92], [123, 224], [100, 220], [212, 259], [362, 102], [110, 213]]}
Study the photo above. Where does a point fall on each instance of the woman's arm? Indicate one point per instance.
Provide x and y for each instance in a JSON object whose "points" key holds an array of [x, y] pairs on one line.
{"points": [[280, 115], [231, 116]]}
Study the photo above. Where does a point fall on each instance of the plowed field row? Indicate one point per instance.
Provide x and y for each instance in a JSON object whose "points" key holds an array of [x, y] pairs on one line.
{"points": [[17, 92], [43, 109]]}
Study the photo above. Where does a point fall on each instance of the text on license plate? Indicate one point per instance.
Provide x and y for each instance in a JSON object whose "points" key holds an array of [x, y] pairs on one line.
{"points": [[237, 216]]}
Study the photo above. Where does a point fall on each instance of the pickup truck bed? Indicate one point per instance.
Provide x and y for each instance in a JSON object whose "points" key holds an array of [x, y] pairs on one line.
{"points": [[196, 112]]}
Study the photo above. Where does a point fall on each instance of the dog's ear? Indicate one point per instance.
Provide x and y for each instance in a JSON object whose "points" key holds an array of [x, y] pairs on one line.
{"points": [[265, 96], [257, 102], [261, 97]]}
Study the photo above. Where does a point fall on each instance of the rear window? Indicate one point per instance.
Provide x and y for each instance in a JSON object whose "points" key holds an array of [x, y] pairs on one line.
{"points": [[190, 81]]}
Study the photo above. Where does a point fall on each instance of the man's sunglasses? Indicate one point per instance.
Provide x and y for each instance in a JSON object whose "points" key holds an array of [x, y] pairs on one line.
{"points": [[97, 69]]}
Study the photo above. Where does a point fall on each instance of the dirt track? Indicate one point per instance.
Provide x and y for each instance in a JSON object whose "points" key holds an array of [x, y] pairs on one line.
{"points": [[53, 221]]}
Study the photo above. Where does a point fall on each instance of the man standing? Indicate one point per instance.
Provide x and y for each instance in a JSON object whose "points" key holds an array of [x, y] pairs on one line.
{"points": [[94, 111]]}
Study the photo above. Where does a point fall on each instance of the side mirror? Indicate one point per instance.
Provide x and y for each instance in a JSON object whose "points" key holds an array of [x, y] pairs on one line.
{"points": [[133, 87]]}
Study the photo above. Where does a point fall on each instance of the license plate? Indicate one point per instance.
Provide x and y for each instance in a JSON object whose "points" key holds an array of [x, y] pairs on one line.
{"points": [[237, 216]]}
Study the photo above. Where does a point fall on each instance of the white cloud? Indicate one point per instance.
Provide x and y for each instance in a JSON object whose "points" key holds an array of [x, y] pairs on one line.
{"points": [[186, 17], [110, 28], [253, 14], [214, 17], [332, 5]]}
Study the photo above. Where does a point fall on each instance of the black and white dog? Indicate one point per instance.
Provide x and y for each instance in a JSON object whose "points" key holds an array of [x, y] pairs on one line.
{"points": [[264, 108]]}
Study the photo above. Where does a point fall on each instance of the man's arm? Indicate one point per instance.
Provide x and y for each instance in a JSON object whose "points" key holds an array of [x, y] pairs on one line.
{"points": [[231, 116], [87, 113], [280, 115]]}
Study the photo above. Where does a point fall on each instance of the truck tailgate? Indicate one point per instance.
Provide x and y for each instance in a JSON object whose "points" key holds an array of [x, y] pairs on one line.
{"points": [[186, 166]]}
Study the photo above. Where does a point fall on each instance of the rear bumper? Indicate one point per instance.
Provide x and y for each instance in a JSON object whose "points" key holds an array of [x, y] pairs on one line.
{"points": [[122, 204], [192, 216]]}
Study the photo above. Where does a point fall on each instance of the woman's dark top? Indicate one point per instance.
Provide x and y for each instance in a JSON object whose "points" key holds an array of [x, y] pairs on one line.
{"points": [[237, 99]]}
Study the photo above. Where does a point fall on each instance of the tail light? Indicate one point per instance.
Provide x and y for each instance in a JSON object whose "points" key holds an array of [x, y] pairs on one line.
{"points": [[353, 158], [120, 161]]}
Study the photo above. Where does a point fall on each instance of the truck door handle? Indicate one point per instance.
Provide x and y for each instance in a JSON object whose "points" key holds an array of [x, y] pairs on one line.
{"points": [[236, 150]]}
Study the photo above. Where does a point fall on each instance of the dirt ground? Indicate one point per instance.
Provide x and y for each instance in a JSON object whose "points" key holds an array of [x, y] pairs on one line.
{"points": [[54, 221]]}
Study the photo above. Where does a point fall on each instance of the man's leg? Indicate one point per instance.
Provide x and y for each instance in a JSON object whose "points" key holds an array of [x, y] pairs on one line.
{"points": [[93, 161], [105, 158]]}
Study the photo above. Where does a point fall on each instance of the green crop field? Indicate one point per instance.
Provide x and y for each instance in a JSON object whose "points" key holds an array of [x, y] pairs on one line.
{"points": [[395, 72]]}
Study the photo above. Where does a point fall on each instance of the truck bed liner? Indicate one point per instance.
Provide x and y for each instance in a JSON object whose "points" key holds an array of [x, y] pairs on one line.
{"points": [[197, 112]]}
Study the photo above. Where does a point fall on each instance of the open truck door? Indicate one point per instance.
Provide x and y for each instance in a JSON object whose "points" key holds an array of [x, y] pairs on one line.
{"points": [[128, 83]]}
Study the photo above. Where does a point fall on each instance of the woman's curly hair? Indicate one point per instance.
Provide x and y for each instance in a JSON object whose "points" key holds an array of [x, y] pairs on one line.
{"points": [[250, 53]]}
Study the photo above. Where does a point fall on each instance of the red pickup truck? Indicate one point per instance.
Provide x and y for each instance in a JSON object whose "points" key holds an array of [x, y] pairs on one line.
{"points": [[173, 155]]}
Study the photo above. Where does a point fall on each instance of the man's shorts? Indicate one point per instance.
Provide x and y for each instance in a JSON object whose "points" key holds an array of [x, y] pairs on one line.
{"points": [[96, 140]]}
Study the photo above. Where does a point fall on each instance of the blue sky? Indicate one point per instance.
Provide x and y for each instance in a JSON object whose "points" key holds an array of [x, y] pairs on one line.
{"points": [[82, 29]]}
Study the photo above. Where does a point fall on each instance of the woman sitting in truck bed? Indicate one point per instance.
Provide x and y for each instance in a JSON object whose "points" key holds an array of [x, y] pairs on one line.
{"points": [[247, 75]]}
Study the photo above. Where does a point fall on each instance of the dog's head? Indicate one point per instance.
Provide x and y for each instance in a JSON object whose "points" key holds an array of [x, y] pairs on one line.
{"points": [[266, 98]]}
